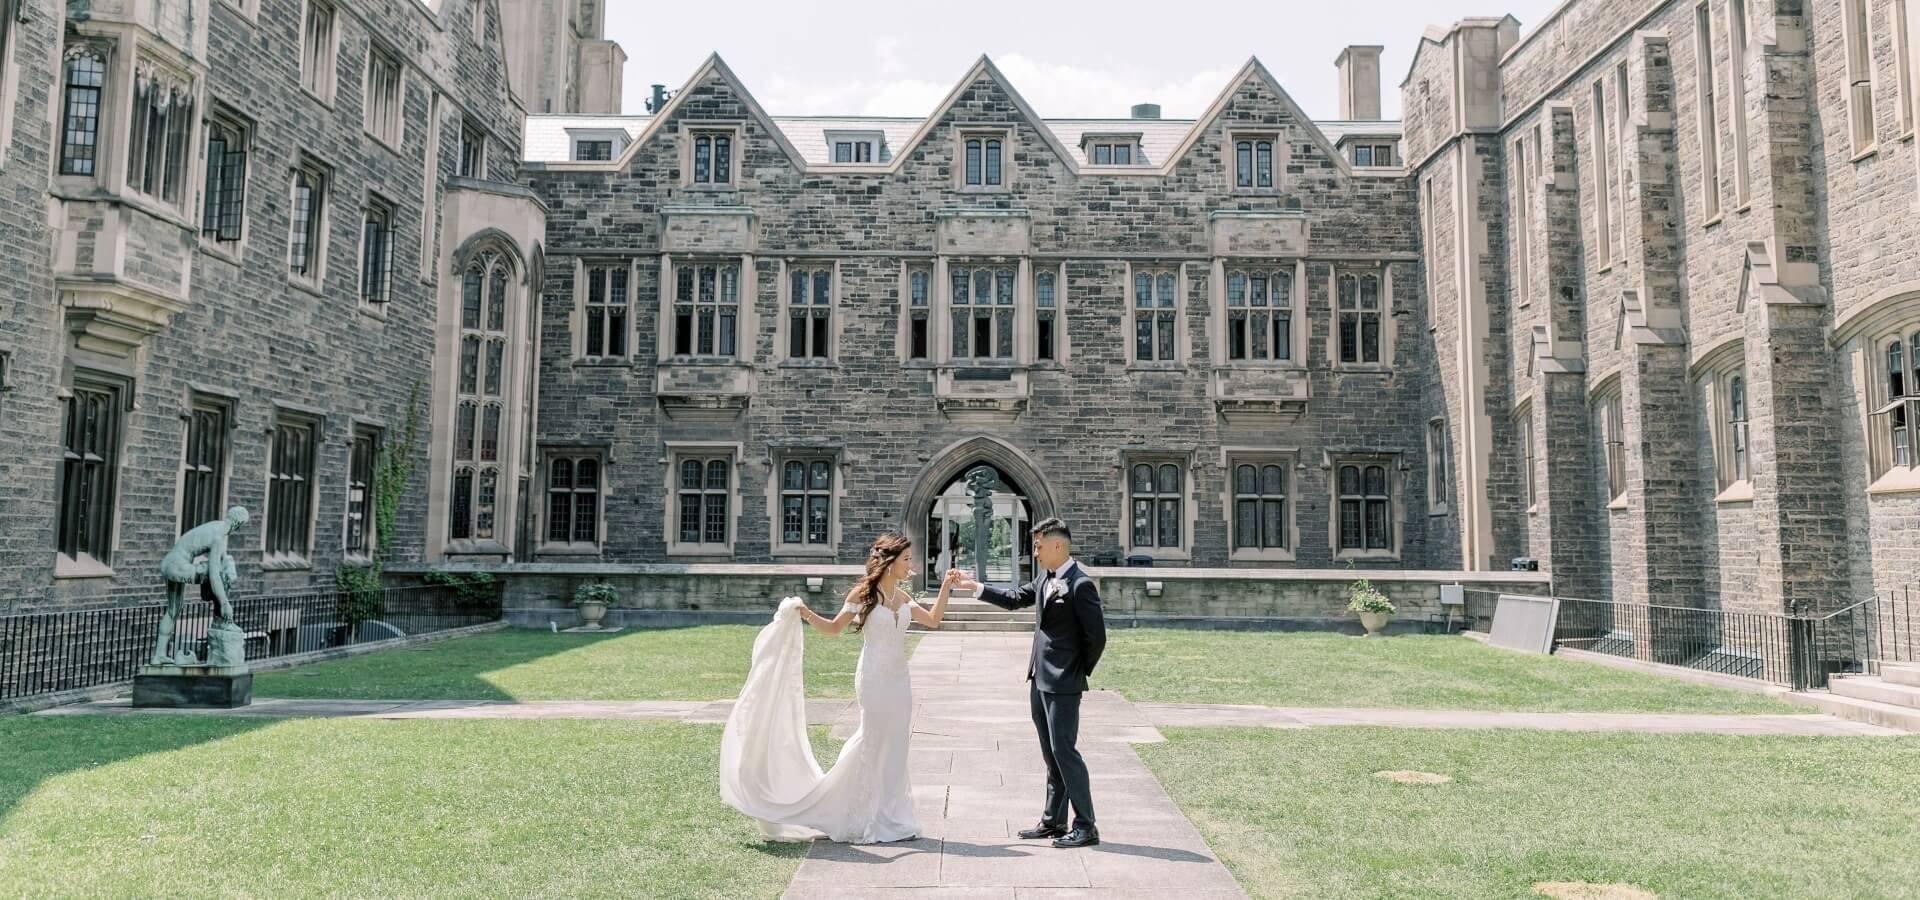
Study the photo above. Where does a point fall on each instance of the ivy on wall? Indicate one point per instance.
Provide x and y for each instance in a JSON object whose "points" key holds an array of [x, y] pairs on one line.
{"points": [[361, 586]]}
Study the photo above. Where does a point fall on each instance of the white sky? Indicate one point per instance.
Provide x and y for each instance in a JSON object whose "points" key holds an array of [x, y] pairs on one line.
{"points": [[807, 57]]}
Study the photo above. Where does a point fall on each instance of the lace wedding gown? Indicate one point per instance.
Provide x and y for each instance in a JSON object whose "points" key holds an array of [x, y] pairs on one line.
{"points": [[767, 768]]}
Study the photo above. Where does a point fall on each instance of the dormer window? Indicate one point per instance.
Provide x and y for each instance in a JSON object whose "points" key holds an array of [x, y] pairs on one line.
{"points": [[857, 147], [1372, 154], [1112, 149], [595, 144], [1113, 154]]}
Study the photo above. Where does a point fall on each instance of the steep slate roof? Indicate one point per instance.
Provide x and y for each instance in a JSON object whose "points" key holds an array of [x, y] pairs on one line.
{"points": [[1162, 141]]}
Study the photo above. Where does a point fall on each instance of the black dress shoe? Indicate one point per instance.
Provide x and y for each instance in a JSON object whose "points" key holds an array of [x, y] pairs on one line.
{"points": [[1043, 830], [1081, 837]]}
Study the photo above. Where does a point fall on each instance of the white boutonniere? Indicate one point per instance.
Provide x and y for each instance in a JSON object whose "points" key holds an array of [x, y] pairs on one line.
{"points": [[1056, 591]]}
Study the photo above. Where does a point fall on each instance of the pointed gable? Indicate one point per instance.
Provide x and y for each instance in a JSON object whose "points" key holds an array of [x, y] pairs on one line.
{"points": [[966, 95], [712, 79], [1222, 105]]}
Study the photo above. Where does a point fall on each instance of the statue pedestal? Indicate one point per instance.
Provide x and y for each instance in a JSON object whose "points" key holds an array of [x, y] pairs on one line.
{"points": [[193, 687]]}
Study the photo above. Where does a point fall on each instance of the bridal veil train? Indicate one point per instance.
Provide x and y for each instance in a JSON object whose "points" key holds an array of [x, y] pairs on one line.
{"points": [[767, 768]]}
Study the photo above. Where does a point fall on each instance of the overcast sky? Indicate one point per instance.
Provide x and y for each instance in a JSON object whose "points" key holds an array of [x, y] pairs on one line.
{"points": [[805, 57]]}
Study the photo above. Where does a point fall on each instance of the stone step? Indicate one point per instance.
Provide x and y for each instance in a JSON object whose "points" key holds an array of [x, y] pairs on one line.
{"points": [[951, 625], [1879, 690], [1885, 715], [1901, 673]]}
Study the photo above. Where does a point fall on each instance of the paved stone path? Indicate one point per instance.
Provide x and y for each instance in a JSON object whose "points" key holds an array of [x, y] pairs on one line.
{"points": [[978, 778], [819, 712]]}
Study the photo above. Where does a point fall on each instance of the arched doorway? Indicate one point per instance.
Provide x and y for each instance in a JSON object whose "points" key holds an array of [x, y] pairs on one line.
{"points": [[939, 510]]}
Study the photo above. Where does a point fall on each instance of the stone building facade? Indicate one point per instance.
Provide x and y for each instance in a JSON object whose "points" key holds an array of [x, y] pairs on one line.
{"points": [[1675, 232], [235, 231], [768, 339]]}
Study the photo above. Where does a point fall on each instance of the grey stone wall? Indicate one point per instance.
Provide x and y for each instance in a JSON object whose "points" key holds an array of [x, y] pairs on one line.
{"points": [[881, 414], [249, 334]]}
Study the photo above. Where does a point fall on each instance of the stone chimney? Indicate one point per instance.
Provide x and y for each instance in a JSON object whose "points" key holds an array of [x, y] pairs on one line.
{"points": [[1146, 110], [1359, 67]]}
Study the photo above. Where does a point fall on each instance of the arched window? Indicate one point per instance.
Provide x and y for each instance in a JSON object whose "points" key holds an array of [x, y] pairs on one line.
{"points": [[482, 425], [1366, 509], [1046, 312], [1737, 426], [973, 161]]}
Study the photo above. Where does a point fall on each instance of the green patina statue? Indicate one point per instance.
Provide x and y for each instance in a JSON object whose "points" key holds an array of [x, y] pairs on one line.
{"points": [[184, 565]]}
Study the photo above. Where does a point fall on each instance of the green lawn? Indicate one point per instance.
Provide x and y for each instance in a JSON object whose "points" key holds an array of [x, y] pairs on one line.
{"points": [[1162, 665], [1298, 813], [707, 662], [163, 805]]}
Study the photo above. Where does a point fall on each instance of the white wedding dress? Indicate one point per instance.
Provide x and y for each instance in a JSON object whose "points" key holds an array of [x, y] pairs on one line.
{"points": [[767, 769]]}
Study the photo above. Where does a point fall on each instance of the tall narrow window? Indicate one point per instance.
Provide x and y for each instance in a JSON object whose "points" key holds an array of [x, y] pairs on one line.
{"points": [[1366, 509], [1709, 124], [919, 313], [573, 502], [1155, 313], [705, 499], [806, 502], [1260, 314], [89, 472], [1437, 463], [317, 50], [307, 242], [706, 309], [430, 189], [1859, 74], [605, 312], [712, 157], [980, 305], [162, 116], [1522, 224], [473, 150], [1900, 414], [1046, 312], [1737, 43], [480, 407], [1902, 61], [982, 161], [1613, 443], [290, 490], [1527, 458], [376, 252], [1604, 175], [1625, 152], [1253, 163], [359, 538], [203, 467], [1156, 492], [80, 130], [1259, 506], [810, 312], [381, 114], [1359, 322], [226, 187], [1737, 428]]}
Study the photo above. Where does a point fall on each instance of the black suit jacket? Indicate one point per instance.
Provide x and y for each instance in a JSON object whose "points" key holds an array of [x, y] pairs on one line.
{"points": [[1069, 633]]}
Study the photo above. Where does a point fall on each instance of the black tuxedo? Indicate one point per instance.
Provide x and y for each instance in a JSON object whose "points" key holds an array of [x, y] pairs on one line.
{"points": [[1069, 634]]}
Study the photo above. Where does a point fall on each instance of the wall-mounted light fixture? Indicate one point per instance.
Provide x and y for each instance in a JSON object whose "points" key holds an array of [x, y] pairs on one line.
{"points": [[816, 584]]}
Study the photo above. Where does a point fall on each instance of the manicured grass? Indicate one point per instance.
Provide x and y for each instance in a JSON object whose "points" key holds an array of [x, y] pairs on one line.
{"points": [[1159, 665], [1299, 814], [205, 806], [707, 662]]}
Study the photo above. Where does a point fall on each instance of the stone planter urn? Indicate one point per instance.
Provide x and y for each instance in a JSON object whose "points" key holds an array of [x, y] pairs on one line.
{"points": [[1374, 622], [591, 612]]}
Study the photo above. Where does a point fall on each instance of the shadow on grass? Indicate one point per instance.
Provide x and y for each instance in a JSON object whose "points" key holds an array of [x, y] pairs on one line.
{"points": [[40, 748]]}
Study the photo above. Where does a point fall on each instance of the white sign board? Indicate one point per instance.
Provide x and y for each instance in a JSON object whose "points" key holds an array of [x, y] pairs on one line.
{"points": [[1522, 622]]}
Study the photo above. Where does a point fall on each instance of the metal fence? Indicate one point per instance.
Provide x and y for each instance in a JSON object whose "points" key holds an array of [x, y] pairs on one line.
{"points": [[42, 653], [1799, 651]]}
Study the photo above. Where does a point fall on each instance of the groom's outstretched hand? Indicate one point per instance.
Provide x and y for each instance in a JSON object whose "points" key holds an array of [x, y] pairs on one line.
{"points": [[962, 580]]}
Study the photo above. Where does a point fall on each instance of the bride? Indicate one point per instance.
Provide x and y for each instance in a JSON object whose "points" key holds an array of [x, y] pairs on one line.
{"points": [[767, 768]]}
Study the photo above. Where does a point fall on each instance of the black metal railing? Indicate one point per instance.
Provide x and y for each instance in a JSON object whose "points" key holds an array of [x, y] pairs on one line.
{"points": [[1800, 651], [42, 653]]}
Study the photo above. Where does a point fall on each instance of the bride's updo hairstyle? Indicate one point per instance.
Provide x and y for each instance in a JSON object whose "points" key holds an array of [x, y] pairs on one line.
{"points": [[866, 593]]}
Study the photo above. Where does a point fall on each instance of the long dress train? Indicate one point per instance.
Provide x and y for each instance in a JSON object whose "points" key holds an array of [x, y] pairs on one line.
{"points": [[767, 768]]}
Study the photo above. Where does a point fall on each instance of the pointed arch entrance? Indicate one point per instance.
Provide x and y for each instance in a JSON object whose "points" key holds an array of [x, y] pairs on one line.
{"points": [[1023, 498]]}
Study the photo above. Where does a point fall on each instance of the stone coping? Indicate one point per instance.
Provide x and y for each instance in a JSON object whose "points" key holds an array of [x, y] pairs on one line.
{"points": [[1143, 573]]}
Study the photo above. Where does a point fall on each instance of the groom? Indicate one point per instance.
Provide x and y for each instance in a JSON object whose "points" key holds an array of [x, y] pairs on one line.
{"points": [[1068, 634]]}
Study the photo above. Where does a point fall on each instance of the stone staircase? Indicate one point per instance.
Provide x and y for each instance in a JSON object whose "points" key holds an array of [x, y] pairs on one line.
{"points": [[1892, 699], [968, 613]]}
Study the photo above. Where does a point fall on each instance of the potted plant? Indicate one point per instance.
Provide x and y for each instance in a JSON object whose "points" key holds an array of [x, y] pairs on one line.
{"points": [[1374, 608], [593, 600]]}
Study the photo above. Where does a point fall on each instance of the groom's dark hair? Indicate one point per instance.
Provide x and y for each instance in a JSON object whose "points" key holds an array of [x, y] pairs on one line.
{"points": [[1051, 527]]}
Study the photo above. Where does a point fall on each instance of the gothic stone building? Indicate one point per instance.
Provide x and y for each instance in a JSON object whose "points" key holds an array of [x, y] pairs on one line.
{"points": [[1624, 297]]}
